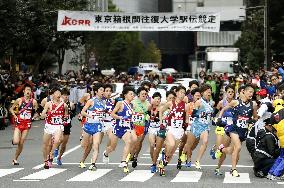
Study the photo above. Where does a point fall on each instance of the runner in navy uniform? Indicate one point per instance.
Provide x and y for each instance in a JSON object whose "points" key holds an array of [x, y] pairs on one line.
{"points": [[243, 111]]}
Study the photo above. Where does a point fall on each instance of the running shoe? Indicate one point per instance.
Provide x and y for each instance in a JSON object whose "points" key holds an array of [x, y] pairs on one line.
{"points": [[92, 167], [58, 162], [82, 165], [55, 153], [271, 177], [183, 157], [161, 169], [197, 165], [50, 162], [153, 168], [188, 164], [218, 172], [134, 162], [235, 173], [46, 166], [15, 162], [121, 165], [179, 164], [105, 158]]}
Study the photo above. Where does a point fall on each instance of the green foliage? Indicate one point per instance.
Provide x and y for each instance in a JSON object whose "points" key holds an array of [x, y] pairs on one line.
{"points": [[251, 41], [151, 54], [28, 30]]}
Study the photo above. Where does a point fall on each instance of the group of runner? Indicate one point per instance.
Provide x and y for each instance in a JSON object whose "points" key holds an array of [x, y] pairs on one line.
{"points": [[182, 121]]}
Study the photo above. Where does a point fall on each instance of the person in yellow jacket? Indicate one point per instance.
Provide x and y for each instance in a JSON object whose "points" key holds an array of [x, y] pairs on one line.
{"points": [[277, 121]]}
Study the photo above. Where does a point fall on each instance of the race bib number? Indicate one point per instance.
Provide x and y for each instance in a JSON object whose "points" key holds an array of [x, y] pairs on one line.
{"points": [[97, 117], [154, 124], [228, 120], [176, 123], [125, 123], [137, 118], [205, 118], [242, 122], [57, 120], [25, 115]]}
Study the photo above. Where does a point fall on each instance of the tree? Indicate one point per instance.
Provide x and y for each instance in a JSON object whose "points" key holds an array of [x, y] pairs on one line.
{"points": [[151, 54], [251, 40], [29, 30]]}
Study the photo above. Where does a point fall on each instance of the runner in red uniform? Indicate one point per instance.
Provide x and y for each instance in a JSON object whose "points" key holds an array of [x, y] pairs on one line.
{"points": [[55, 113], [23, 120]]}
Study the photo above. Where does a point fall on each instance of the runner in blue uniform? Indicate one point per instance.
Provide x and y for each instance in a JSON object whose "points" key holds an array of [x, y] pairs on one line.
{"points": [[94, 111], [243, 111], [123, 128]]}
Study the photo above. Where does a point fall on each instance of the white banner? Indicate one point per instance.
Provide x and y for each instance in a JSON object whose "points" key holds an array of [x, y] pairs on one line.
{"points": [[148, 66], [120, 21]]}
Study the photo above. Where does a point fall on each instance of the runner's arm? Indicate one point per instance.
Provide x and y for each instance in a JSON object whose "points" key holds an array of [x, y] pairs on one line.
{"points": [[162, 110], [13, 107], [116, 109], [232, 104], [46, 107], [87, 105]]}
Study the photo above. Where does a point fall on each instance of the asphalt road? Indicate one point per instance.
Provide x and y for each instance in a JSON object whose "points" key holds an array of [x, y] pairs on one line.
{"points": [[31, 174]]}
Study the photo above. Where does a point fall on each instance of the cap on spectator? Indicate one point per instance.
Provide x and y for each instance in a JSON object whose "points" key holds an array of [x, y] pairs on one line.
{"points": [[72, 80], [262, 93], [81, 82], [240, 78], [278, 104]]}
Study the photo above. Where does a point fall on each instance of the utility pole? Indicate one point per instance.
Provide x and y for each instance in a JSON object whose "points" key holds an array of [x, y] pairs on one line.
{"points": [[266, 37]]}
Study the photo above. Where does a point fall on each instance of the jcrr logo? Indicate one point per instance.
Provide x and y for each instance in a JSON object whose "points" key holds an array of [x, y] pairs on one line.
{"points": [[70, 21]]}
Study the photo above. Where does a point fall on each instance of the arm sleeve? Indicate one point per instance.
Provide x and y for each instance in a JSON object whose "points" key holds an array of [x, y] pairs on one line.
{"points": [[281, 72], [263, 108], [271, 145]]}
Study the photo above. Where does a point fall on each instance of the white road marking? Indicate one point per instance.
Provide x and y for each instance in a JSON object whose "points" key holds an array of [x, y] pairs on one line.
{"points": [[172, 164], [280, 183], [26, 180], [244, 178], [65, 153], [145, 157], [187, 176], [43, 174], [138, 176], [4, 172], [90, 175]]}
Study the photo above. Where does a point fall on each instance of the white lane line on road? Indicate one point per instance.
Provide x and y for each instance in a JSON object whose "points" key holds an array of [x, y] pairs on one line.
{"points": [[138, 176], [187, 176], [145, 157], [26, 180], [244, 178], [43, 174], [65, 153], [4, 172], [150, 164], [90, 175], [71, 150], [280, 183]]}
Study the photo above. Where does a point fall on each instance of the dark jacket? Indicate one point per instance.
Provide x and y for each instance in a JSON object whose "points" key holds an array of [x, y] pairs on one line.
{"points": [[266, 146]]}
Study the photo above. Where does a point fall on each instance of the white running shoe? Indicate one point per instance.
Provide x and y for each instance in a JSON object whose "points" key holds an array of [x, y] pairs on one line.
{"points": [[122, 164], [105, 158]]}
